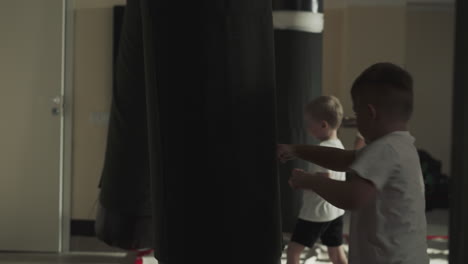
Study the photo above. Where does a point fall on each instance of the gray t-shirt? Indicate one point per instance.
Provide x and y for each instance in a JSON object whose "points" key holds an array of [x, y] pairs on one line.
{"points": [[392, 228]]}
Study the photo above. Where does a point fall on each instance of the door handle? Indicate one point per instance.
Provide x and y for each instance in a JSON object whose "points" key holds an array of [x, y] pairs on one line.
{"points": [[58, 105]]}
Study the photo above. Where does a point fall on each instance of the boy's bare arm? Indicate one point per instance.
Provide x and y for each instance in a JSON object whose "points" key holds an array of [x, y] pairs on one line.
{"points": [[349, 195], [331, 158]]}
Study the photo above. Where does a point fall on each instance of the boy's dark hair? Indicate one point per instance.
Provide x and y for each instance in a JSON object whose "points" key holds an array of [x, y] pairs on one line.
{"points": [[326, 108], [387, 86]]}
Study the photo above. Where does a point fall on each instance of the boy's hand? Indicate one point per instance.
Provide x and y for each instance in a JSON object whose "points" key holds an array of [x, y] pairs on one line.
{"points": [[299, 178], [285, 152]]}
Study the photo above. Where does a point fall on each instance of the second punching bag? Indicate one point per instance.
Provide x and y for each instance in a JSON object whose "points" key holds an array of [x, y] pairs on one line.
{"points": [[211, 100], [298, 49]]}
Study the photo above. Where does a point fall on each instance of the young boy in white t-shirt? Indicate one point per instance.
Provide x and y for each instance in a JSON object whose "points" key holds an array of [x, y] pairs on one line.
{"points": [[385, 191], [318, 218]]}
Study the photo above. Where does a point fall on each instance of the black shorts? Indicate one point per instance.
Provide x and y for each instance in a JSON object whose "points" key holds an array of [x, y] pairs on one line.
{"points": [[330, 233]]}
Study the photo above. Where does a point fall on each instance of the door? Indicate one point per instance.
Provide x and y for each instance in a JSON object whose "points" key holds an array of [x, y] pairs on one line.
{"points": [[30, 128]]}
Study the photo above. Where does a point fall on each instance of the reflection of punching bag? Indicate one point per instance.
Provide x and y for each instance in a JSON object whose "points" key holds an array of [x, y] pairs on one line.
{"points": [[124, 213], [209, 102], [298, 48]]}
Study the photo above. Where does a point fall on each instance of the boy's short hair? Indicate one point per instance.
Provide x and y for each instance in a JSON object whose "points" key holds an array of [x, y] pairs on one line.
{"points": [[326, 108], [387, 86]]}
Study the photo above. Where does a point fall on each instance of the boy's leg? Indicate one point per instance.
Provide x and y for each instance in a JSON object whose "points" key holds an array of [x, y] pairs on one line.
{"points": [[332, 237], [294, 252], [305, 234], [337, 255]]}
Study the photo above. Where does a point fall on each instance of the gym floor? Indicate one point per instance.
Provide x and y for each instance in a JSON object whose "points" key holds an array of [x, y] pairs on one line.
{"points": [[437, 231], [90, 250]]}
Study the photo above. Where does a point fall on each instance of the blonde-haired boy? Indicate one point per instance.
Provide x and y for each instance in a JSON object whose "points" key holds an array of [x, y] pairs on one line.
{"points": [[318, 218]]}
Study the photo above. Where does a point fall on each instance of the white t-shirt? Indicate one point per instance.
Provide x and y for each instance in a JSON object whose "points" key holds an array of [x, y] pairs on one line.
{"points": [[392, 228], [315, 208]]}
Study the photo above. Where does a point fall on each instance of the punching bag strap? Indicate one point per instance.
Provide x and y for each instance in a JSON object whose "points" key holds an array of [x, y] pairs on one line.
{"points": [[298, 20]]}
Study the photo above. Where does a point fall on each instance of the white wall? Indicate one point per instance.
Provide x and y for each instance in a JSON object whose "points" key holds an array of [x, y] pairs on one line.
{"points": [[430, 50], [418, 36], [356, 36]]}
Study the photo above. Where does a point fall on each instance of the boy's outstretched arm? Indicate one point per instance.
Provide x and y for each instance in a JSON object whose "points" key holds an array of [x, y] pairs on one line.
{"points": [[349, 195], [331, 158]]}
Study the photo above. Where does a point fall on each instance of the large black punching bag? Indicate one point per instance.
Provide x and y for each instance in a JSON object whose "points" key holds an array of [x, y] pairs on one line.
{"points": [[298, 49], [212, 130]]}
